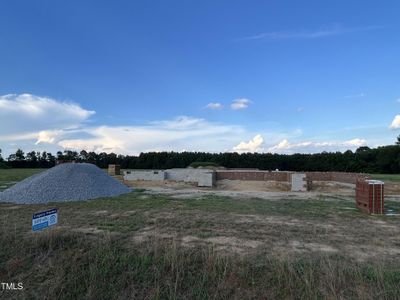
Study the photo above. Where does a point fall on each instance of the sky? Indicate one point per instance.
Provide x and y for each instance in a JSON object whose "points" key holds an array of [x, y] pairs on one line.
{"points": [[216, 76]]}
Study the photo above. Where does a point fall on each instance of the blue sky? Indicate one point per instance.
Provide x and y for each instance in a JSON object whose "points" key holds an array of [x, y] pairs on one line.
{"points": [[132, 76]]}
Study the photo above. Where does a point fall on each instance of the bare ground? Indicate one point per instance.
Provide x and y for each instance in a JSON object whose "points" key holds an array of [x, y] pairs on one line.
{"points": [[243, 218], [357, 236], [248, 234]]}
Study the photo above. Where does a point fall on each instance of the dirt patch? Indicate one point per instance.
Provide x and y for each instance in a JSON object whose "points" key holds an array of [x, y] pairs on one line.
{"points": [[195, 193], [275, 220], [150, 232], [392, 188], [100, 212], [128, 213], [232, 243], [367, 252], [249, 185], [159, 183], [337, 188], [238, 189], [12, 207], [89, 230], [223, 243], [293, 247]]}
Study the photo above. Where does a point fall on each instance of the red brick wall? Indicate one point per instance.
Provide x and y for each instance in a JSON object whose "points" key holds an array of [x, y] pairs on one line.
{"points": [[370, 197], [319, 176], [285, 176], [348, 177], [336, 176]]}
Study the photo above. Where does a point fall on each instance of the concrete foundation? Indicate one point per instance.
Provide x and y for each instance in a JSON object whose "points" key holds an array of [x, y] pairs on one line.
{"points": [[201, 177], [153, 175], [299, 182], [208, 178]]}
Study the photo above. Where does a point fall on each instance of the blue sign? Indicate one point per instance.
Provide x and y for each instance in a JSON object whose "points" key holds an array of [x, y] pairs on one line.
{"points": [[44, 219]]}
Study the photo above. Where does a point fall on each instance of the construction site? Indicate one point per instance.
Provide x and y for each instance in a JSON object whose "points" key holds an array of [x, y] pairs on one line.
{"points": [[333, 224], [368, 193]]}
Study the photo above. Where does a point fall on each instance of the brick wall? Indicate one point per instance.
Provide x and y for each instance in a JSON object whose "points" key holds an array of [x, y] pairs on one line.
{"points": [[286, 176], [370, 196], [337, 176], [319, 176]]}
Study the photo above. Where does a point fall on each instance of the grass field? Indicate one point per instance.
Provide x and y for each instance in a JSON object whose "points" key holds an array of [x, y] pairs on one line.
{"points": [[390, 177], [149, 246], [8, 177]]}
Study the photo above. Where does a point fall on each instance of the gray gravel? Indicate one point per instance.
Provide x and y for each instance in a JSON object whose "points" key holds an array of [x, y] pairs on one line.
{"points": [[65, 182]]}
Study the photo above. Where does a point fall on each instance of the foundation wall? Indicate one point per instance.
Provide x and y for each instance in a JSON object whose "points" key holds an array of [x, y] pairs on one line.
{"points": [[153, 175], [203, 177], [253, 175], [337, 176], [286, 176], [206, 177], [299, 182]]}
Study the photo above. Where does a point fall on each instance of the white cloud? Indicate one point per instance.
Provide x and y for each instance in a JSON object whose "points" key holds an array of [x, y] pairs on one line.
{"points": [[310, 34], [214, 105], [285, 146], [49, 136], [40, 123], [254, 145], [183, 132], [27, 114], [181, 122], [240, 103], [395, 123], [355, 142], [44, 123]]}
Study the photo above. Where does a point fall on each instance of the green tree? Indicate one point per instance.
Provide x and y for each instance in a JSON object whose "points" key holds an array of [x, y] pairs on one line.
{"points": [[398, 140], [19, 155]]}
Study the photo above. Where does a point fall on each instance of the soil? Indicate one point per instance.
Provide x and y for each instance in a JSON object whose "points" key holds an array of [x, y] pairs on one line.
{"points": [[245, 234]]}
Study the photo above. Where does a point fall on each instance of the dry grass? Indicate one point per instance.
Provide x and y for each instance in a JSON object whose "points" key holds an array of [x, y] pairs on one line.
{"points": [[149, 246], [63, 265]]}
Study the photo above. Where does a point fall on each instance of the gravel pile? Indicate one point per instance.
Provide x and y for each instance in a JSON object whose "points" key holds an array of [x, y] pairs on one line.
{"points": [[65, 182]]}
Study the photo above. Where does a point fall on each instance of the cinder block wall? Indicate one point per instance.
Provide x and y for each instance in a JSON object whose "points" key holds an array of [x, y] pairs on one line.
{"points": [[253, 175], [203, 177], [144, 175], [194, 175], [299, 182], [186, 175]]}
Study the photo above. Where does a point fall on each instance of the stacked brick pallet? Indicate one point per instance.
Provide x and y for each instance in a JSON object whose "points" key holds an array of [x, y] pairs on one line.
{"points": [[370, 196], [114, 170]]}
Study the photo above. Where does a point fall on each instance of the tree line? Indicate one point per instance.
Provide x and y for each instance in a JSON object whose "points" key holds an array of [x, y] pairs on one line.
{"points": [[384, 159]]}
